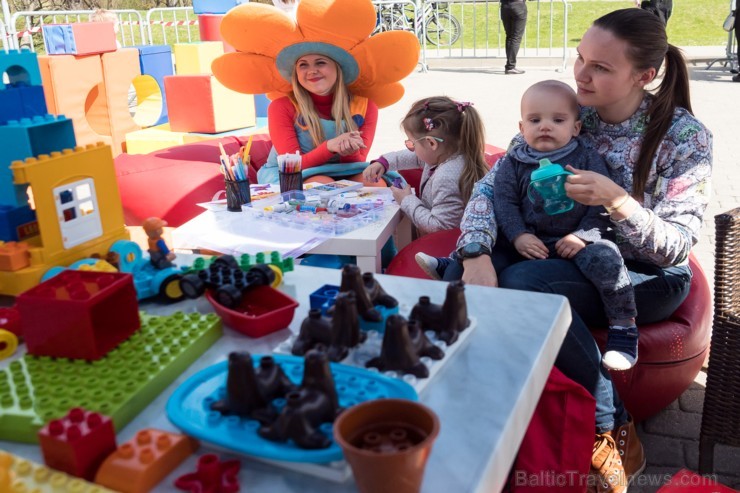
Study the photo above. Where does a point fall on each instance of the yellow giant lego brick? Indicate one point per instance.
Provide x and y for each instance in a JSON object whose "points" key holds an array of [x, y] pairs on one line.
{"points": [[196, 58], [19, 475]]}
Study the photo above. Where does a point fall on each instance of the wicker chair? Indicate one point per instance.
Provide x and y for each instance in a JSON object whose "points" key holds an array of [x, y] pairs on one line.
{"points": [[721, 415]]}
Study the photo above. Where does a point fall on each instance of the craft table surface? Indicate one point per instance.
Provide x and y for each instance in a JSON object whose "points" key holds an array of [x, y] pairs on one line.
{"points": [[485, 395]]}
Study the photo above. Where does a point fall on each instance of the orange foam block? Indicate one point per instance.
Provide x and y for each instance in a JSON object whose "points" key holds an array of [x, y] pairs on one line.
{"points": [[200, 103], [74, 87], [93, 92], [138, 465]]}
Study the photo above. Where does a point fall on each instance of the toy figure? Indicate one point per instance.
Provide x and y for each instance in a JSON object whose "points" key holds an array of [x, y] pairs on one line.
{"points": [[159, 254]]}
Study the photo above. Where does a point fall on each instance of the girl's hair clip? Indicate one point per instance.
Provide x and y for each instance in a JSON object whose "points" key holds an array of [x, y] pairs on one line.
{"points": [[428, 124], [461, 105]]}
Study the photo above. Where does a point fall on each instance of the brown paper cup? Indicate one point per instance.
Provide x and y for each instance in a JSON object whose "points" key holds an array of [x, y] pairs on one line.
{"points": [[387, 443]]}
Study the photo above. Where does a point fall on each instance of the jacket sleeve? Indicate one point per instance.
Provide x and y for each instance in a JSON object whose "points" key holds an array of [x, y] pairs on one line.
{"points": [[479, 221], [403, 159], [446, 202], [666, 225], [595, 224], [507, 200]]}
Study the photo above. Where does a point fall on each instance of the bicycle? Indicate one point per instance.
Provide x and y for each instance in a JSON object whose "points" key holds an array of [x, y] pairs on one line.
{"points": [[441, 27]]}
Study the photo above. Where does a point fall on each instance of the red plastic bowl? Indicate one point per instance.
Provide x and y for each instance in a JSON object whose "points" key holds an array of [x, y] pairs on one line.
{"points": [[263, 310]]}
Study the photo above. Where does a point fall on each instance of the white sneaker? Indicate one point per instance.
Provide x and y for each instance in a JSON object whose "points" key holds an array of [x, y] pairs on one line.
{"points": [[429, 265]]}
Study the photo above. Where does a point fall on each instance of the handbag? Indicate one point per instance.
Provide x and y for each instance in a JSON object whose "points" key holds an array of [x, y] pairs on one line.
{"points": [[729, 23]]}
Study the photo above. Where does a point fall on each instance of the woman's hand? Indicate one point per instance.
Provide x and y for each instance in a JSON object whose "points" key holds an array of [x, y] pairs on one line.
{"points": [[479, 271], [373, 172], [530, 247], [589, 188], [569, 245], [346, 143], [400, 193]]}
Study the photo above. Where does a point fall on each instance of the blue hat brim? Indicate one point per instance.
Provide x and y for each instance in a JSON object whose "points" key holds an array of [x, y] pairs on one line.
{"points": [[289, 55]]}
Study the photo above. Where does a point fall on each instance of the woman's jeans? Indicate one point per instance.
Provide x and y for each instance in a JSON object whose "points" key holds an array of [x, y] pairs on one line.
{"points": [[658, 292]]}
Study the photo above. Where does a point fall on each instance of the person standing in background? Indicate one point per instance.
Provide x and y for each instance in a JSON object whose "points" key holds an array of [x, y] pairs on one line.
{"points": [[514, 18], [736, 78]]}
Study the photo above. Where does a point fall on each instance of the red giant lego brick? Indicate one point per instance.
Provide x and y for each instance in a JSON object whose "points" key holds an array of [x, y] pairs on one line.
{"points": [[79, 314], [138, 465], [78, 443]]}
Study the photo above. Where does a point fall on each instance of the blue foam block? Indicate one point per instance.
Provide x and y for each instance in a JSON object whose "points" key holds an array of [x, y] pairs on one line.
{"points": [[28, 137], [215, 6], [17, 223], [20, 66], [19, 101], [10, 106], [156, 62]]}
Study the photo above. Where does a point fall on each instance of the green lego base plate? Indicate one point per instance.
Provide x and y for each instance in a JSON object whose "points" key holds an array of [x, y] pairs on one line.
{"points": [[35, 390], [247, 261]]}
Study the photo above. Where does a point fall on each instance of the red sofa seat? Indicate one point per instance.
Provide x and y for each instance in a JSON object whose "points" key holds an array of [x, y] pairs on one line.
{"points": [[170, 182], [671, 352]]}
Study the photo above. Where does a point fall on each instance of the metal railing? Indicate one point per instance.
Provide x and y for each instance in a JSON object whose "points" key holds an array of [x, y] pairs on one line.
{"points": [[170, 22], [24, 28], [458, 29]]}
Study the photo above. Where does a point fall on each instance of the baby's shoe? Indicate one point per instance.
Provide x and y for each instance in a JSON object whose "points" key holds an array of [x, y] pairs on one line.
{"points": [[621, 348], [432, 266]]}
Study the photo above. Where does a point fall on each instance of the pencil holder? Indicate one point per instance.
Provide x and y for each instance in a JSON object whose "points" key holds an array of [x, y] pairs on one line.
{"points": [[237, 193], [290, 181]]}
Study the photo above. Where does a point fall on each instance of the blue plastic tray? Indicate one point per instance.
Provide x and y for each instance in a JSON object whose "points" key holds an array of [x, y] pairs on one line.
{"points": [[189, 408]]}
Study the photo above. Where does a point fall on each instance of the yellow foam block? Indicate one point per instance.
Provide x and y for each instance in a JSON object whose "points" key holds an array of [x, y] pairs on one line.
{"points": [[149, 99], [74, 87], [153, 139], [196, 58], [120, 69]]}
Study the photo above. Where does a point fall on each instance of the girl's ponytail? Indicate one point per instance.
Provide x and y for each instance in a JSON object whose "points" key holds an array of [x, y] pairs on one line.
{"points": [[472, 146]]}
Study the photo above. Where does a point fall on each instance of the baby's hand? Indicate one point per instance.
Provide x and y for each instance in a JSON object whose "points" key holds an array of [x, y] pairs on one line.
{"points": [[569, 245], [373, 172], [530, 247]]}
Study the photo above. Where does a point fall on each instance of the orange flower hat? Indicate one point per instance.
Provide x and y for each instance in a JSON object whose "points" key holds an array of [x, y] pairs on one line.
{"points": [[268, 43]]}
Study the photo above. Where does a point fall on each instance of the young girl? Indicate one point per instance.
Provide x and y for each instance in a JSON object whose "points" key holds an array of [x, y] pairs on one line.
{"points": [[447, 139], [331, 128]]}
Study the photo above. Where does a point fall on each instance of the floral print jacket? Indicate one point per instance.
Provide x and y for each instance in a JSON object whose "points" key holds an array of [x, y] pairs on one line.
{"points": [[666, 226]]}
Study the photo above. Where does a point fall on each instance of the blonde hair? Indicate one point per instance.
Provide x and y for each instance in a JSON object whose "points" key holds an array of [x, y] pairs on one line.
{"points": [[461, 128], [103, 15], [339, 109]]}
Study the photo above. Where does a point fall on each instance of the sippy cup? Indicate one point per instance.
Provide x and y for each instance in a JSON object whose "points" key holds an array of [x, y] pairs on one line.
{"points": [[549, 182]]}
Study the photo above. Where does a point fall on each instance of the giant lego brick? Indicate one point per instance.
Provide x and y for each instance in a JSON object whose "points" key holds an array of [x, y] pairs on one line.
{"points": [[215, 6], [79, 38], [25, 138], [79, 314], [155, 62], [209, 27], [141, 463], [120, 70], [17, 223], [74, 86], [21, 101], [36, 390], [200, 103], [78, 442], [196, 58], [20, 475], [20, 66]]}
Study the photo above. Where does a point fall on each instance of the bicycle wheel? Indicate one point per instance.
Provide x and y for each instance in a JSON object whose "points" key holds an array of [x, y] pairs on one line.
{"points": [[443, 29]]}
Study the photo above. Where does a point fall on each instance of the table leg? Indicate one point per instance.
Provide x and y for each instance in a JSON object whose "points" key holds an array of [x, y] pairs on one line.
{"points": [[369, 264]]}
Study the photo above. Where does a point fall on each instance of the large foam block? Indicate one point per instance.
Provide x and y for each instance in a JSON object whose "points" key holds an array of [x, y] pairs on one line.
{"points": [[215, 6], [200, 103], [20, 66], [196, 58], [209, 26], [120, 69], [155, 62], [79, 38], [26, 138], [74, 86]]}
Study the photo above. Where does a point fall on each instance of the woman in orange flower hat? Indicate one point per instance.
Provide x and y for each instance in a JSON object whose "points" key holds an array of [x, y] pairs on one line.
{"points": [[325, 75]]}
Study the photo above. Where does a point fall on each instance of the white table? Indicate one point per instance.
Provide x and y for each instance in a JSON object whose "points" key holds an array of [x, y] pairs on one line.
{"points": [[485, 396], [234, 233]]}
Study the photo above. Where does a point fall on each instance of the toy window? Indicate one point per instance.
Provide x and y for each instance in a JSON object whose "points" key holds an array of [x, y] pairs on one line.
{"points": [[77, 212]]}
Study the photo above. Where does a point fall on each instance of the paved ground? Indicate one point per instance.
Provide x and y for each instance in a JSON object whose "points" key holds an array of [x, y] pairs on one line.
{"points": [[671, 437]]}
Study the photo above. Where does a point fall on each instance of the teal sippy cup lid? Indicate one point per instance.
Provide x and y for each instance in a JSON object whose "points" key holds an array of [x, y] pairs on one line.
{"points": [[547, 170]]}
